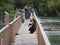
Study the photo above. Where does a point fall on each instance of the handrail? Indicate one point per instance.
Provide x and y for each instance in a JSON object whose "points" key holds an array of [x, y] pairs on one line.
{"points": [[3, 29], [14, 20], [8, 32], [42, 37], [5, 35], [15, 25]]}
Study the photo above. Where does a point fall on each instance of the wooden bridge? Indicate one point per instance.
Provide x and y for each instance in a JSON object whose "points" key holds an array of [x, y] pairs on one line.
{"points": [[8, 33]]}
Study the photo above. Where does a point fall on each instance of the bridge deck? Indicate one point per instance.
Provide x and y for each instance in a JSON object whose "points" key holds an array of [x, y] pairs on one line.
{"points": [[24, 37]]}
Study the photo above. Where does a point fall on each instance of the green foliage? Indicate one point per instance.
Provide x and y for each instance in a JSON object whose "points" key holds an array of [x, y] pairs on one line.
{"points": [[22, 3], [1, 26], [51, 5], [48, 7], [7, 5], [58, 5], [10, 5]]}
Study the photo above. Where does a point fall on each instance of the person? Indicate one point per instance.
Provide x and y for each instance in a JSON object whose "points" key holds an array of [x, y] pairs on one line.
{"points": [[6, 13], [18, 12], [27, 12], [23, 15]]}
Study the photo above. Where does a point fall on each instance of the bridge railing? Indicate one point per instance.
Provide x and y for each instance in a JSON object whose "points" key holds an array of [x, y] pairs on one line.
{"points": [[42, 37], [9, 31]]}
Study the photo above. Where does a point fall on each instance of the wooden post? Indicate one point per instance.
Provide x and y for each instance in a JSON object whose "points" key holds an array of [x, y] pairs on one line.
{"points": [[6, 19]]}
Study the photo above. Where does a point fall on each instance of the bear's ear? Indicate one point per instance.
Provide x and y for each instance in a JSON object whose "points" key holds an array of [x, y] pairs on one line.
{"points": [[31, 20], [29, 24]]}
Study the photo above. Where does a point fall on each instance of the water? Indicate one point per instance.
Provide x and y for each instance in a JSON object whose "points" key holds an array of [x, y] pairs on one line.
{"points": [[52, 27], [50, 19], [54, 37], [50, 23]]}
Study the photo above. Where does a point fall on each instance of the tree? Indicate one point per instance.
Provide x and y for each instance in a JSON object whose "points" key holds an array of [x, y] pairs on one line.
{"points": [[48, 7], [22, 3]]}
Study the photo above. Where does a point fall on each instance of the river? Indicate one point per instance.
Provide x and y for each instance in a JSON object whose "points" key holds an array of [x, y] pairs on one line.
{"points": [[52, 29]]}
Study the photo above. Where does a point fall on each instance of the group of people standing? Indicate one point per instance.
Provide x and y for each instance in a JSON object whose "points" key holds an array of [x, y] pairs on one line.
{"points": [[28, 11], [25, 12]]}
